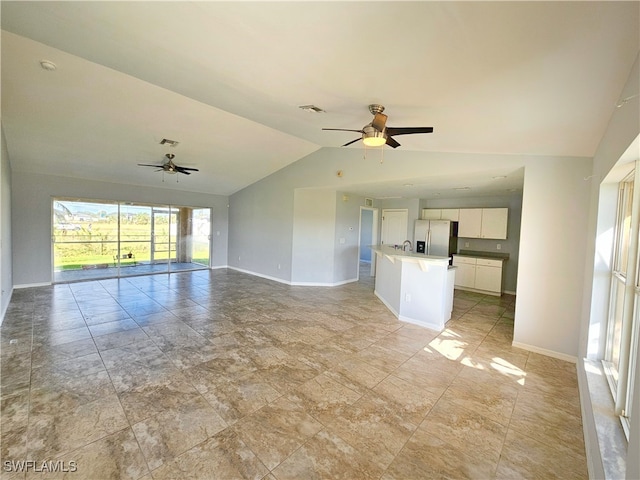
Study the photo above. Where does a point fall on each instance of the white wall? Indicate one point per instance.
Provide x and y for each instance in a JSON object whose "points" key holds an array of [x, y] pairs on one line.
{"points": [[31, 219], [6, 268], [622, 131], [314, 225], [552, 251]]}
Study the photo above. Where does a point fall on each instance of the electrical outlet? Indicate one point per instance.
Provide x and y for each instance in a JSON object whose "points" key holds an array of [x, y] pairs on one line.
{"points": [[466, 244], [499, 246], [407, 297]]}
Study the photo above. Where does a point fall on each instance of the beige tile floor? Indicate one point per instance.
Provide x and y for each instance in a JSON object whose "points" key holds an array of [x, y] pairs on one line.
{"points": [[221, 375]]}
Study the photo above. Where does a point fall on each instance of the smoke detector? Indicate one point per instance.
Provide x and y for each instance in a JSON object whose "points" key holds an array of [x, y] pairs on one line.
{"points": [[48, 65]]}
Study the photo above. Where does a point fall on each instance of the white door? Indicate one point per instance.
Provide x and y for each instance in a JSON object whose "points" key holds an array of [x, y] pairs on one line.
{"points": [[394, 226]]}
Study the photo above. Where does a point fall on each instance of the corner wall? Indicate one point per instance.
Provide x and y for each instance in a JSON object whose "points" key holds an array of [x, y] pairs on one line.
{"points": [[552, 251], [6, 267]]}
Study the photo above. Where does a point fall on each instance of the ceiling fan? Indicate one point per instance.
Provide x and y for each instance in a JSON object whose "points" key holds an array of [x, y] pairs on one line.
{"points": [[170, 167], [377, 133]]}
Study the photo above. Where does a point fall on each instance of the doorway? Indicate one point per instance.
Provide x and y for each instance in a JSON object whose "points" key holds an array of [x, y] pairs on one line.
{"points": [[368, 236]]}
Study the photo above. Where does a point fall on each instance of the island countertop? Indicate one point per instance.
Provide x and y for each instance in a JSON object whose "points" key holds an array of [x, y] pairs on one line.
{"points": [[416, 288], [390, 251]]}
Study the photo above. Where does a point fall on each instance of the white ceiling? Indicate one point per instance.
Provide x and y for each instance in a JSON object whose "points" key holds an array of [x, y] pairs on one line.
{"points": [[225, 79]]}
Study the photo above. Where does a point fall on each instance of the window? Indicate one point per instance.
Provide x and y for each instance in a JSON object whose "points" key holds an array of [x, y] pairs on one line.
{"points": [[621, 357], [97, 239]]}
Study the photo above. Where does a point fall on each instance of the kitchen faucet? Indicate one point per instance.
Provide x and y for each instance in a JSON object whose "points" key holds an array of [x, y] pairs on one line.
{"points": [[404, 245]]}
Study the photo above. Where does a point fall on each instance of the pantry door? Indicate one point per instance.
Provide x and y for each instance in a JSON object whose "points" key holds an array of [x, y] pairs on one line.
{"points": [[394, 226]]}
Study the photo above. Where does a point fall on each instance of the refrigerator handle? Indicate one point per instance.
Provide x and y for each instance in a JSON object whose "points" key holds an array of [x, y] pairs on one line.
{"points": [[428, 249]]}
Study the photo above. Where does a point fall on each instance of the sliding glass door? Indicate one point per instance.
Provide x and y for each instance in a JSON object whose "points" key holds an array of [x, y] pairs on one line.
{"points": [[100, 239]]}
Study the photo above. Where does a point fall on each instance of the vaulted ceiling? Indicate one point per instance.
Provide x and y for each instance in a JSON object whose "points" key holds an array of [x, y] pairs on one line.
{"points": [[226, 79]]}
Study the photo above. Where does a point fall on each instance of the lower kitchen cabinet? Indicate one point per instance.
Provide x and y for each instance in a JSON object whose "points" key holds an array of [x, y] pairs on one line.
{"points": [[478, 274]]}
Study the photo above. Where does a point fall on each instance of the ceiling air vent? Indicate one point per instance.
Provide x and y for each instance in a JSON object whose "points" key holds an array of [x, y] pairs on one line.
{"points": [[311, 108], [171, 143]]}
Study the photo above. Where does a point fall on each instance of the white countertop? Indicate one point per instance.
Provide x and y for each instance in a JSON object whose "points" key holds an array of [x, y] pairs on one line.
{"points": [[393, 252]]}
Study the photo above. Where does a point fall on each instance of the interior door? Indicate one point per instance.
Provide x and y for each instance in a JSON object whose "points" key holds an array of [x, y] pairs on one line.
{"points": [[394, 226]]}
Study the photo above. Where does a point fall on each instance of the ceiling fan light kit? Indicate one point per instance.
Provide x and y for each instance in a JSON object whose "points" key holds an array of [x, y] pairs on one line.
{"points": [[170, 167], [372, 137]]}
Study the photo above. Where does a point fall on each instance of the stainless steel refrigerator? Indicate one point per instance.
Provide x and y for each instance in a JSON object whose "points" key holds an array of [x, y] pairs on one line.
{"points": [[436, 237]]}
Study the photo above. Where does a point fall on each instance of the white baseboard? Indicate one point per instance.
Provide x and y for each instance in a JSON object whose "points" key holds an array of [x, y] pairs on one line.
{"points": [[6, 307], [317, 284], [255, 274], [402, 318], [293, 284], [386, 304], [31, 285], [544, 351]]}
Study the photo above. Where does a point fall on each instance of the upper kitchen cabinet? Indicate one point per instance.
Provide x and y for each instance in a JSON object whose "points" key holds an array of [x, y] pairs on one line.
{"points": [[494, 223], [431, 214], [490, 223], [440, 214]]}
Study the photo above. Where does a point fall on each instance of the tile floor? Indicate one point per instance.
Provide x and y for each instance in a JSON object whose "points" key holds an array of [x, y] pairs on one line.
{"points": [[221, 375]]}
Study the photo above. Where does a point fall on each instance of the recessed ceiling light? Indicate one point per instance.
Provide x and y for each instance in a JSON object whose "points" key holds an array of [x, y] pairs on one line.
{"points": [[48, 65], [499, 177], [462, 188], [311, 108], [408, 185]]}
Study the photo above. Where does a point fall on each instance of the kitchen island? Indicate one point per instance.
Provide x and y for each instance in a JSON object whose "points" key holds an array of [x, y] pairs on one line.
{"points": [[417, 288]]}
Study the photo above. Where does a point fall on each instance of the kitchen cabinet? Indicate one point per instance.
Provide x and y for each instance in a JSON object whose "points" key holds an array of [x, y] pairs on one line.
{"points": [[452, 214], [470, 223], [489, 275], [478, 274], [431, 213], [466, 271], [494, 223], [490, 223], [441, 214]]}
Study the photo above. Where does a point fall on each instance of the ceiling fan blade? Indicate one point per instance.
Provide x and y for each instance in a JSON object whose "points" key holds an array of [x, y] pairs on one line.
{"points": [[352, 141], [408, 130], [391, 142], [185, 168], [379, 121], [148, 165], [343, 130]]}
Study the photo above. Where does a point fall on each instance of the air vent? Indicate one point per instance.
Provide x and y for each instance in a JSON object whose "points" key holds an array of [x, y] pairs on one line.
{"points": [[311, 108], [171, 143]]}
